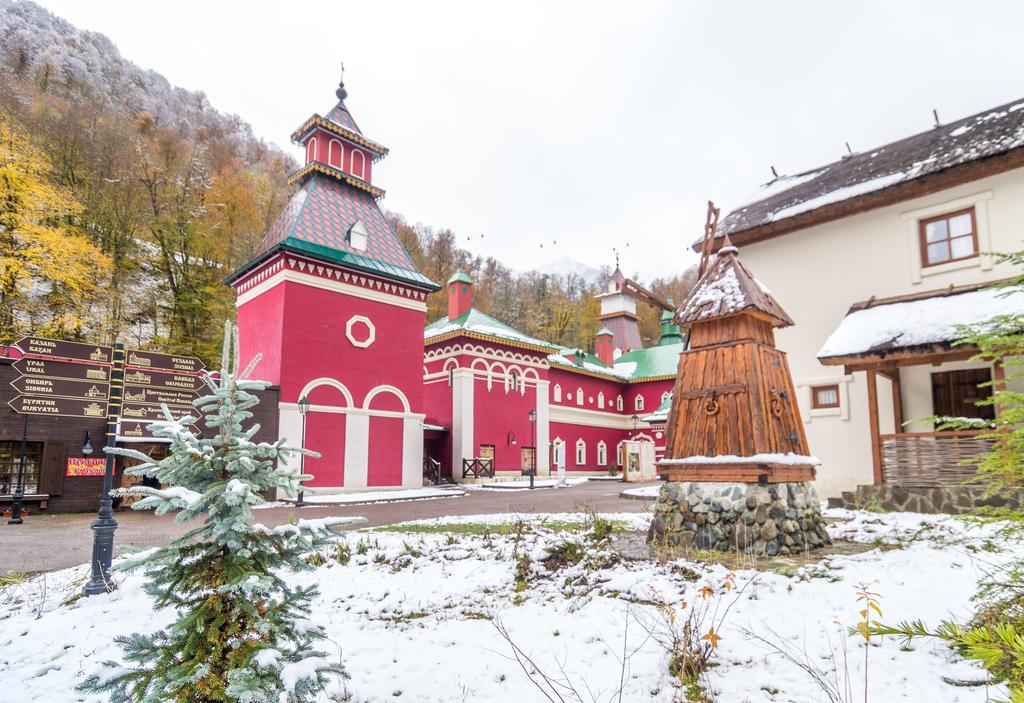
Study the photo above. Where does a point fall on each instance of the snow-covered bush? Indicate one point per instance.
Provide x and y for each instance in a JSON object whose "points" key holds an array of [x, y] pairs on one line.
{"points": [[243, 633]]}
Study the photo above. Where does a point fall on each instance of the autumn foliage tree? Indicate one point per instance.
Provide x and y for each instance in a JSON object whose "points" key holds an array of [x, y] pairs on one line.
{"points": [[48, 269]]}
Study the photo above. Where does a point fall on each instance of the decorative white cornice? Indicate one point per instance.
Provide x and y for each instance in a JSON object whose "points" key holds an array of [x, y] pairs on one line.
{"points": [[350, 284]]}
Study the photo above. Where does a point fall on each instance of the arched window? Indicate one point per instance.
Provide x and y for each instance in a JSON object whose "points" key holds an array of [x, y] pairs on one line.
{"points": [[558, 393], [513, 381], [358, 163], [311, 150], [638, 402], [579, 396], [600, 399], [618, 404], [581, 452], [335, 153], [602, 453]]}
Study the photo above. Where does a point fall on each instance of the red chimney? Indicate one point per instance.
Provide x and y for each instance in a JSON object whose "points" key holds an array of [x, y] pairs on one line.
{"points": [[460, 295], [604, 346]]}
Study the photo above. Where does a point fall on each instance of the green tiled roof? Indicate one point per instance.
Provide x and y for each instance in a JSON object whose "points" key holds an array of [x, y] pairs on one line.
{"points": [[653, 361], [317, 219], [481, 323], [604, 330], [661, 414], [460, 277]]}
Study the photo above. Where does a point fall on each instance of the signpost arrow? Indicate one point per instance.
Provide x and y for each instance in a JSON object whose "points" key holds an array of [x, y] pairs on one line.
{"points": [[53, 368], [55, 407], [61, 387], [163, 379], [155, 396], [148, 412], [58, 348], [169, 362]]}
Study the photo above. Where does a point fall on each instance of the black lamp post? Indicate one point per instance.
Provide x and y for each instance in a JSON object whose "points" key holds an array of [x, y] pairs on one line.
{"points": [[636, 421], [533, 443], [19, 489], [303, 409], [510, 438]]}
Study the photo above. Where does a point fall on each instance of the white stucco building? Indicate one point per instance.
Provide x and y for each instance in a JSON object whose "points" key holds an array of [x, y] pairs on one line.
{"points": [[878, 258]]}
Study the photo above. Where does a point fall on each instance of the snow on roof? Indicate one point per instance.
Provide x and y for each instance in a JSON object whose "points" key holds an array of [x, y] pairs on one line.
{"points": [[727, 288], [973, 138], [883, 327], [481, 323]]}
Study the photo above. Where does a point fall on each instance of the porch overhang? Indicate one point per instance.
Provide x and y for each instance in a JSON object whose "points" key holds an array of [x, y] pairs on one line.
{"points": [[883, 334]]}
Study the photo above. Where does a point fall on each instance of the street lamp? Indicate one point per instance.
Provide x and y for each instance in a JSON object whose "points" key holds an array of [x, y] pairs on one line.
{"points": [[87, 447], [533, 443], [636, 421], [510, 438], [303, 409]]}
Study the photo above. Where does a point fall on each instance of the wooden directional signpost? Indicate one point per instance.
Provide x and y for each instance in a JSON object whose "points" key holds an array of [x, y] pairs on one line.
{"points": [[128, 387]]}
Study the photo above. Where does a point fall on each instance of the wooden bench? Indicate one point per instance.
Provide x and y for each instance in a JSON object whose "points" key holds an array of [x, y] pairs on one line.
{"points": [[41, 498]]}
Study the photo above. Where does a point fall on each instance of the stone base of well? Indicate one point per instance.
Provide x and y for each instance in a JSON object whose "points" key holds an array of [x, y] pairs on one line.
{"points": [[763, 519]]}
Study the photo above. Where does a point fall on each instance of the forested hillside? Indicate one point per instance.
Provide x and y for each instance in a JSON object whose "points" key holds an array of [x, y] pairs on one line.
{"points": [[125, 201]]}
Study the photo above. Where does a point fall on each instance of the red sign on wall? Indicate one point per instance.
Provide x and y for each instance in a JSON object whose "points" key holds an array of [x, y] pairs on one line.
{"points": [[86, 466]]}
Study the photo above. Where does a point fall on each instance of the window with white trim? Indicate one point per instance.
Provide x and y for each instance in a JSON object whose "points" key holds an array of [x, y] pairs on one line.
{"points": [[600, 400], [618, 404], [335, 153], [311, 150], [358, 171], [558, 393], [638, 402], [581, 452], [579, 396], [602, 453]]}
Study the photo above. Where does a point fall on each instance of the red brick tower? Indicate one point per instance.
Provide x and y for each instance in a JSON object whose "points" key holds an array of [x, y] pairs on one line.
{"points": [[336, 306]]}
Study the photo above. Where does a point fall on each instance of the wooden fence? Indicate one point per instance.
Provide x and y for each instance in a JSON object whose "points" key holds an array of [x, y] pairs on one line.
{"points": [[931, 458]]}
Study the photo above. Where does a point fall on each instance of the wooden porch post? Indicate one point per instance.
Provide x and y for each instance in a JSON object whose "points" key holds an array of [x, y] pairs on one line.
{"points": [[876, 447], [897, 402]]}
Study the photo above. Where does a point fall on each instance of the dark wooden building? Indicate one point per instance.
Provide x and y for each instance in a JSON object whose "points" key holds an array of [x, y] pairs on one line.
{"points": [[54, 440]]}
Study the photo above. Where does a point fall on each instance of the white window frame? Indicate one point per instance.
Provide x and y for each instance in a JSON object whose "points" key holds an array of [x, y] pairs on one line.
{"points": [[600, 399], [361, 173], [579, 396], [581, 452], [330, 152], [557, 392], [912, 220], [602, 453], [638, 402], [618, 404]]}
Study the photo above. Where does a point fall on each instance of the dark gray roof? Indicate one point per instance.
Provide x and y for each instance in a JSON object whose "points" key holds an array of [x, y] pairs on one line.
{"points": [[973, 138]]}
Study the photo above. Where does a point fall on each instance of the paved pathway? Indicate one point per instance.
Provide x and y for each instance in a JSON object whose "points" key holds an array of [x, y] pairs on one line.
{"points": [[56, 541]]}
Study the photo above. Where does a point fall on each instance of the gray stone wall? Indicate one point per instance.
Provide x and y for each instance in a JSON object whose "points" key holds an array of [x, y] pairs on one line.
{"points": [[952, 500], [768, 519]]}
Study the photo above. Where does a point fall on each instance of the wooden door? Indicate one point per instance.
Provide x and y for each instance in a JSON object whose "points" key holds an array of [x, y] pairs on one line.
{"points": [[526, 459]]}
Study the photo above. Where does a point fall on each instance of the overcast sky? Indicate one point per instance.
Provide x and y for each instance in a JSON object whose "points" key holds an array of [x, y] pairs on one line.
{"points": [[569, 128]]}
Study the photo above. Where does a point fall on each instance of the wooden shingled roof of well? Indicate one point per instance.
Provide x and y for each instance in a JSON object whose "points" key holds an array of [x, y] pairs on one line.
{"points": [[729, 288]]}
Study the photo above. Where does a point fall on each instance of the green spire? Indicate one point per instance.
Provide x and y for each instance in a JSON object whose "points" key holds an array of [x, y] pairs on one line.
{"points": [[670, 333]]}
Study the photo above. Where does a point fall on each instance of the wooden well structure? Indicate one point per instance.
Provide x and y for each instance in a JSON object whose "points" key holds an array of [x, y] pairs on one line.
{"points": [[734, 414]]}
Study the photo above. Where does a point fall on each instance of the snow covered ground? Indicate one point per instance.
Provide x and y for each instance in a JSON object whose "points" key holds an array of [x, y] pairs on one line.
{"points": [[643, 491], [413, 613], [383, 496]]}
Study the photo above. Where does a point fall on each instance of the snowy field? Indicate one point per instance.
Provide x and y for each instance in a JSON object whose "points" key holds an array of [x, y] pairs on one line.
{"points": [[413, 613]]}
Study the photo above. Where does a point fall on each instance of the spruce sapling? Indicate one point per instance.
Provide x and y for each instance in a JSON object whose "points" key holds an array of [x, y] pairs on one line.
{"points": [[243, 632]]}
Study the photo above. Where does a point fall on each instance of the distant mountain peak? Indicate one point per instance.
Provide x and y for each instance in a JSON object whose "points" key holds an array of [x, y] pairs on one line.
{"points": [[566, 265]]}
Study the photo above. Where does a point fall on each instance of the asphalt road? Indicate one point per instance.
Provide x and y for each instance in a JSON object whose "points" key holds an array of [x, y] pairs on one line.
{"points": [[55, 541]]}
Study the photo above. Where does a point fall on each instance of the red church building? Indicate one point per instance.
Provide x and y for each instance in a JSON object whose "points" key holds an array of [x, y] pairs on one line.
{"points": [[332, 301], [336, 306]]}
